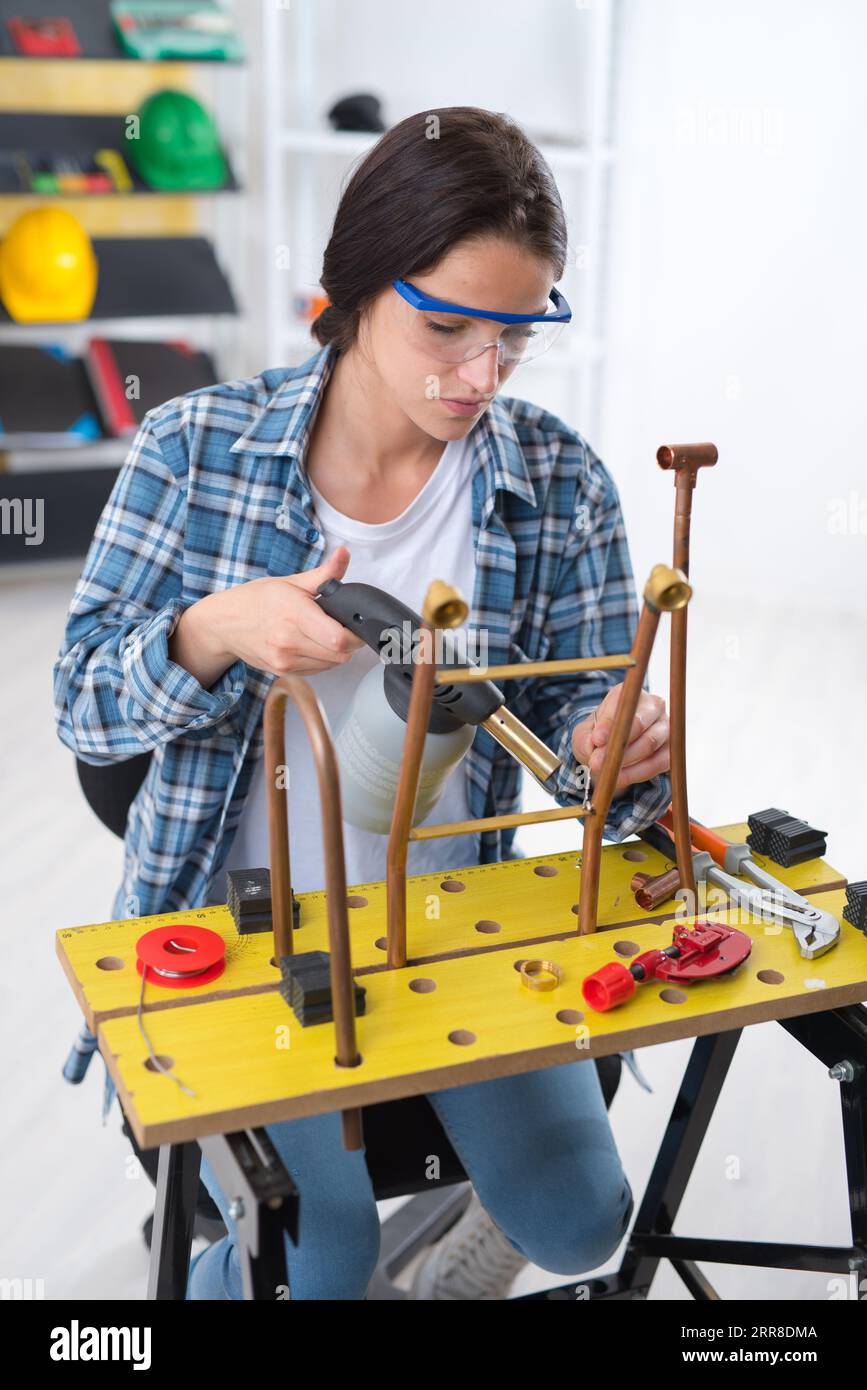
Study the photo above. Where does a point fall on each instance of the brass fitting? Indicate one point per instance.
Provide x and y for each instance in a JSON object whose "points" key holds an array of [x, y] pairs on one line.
{"points": [[667, 589], [444, 605]]}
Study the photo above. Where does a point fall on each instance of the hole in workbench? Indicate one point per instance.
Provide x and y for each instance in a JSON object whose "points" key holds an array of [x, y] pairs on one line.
{"points": [[451, 885], [357, 1063], [165, 1063], [356, 900], [574, 908], [570, 1016], [488, 925], [422, 985], [672, 996], [462, 1037], [516, 965], [545, 870], [381, 943], [109, 963], [626, 948], [635, 856], [770, 977]]}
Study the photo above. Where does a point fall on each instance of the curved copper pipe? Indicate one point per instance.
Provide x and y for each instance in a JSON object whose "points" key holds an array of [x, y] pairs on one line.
{"points": [[685, 460], [325, 760]]}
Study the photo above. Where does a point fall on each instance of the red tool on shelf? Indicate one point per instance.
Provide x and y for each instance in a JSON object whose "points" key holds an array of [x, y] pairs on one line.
{"points": [[43, 38], [701, 953]]}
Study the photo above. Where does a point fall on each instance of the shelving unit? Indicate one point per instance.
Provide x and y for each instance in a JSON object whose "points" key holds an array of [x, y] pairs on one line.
{"points": [[162, 287], [153, 277], [31, 132], [305, 160], [93, 29]]}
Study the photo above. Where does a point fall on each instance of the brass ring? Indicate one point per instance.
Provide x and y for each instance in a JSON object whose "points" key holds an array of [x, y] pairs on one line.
{"points": [[540, 974]]}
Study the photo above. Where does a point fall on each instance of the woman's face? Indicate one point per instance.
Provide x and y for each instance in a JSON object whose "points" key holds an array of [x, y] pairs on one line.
{"points": [[402, 344]]}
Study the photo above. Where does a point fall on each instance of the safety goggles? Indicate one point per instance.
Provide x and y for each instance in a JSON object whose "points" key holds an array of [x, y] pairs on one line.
{"points": [[448, 332]]}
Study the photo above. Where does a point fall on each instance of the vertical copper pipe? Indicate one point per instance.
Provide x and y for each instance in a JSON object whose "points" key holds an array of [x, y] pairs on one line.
{"points": [[685, 460], [594, 824], [418, 718], [325, 760], [444, 607], [684, 484], [278, 821]]}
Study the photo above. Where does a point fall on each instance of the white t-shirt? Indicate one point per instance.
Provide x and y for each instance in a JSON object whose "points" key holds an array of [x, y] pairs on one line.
{"points": [[431, 539]]}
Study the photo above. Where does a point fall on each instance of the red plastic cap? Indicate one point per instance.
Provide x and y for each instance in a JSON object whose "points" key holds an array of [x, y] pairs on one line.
{"points": [[608, 987]]}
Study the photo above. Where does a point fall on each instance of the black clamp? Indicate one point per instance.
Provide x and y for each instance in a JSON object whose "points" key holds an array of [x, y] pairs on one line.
{"points": [[784, 838], [856, 911], [306, 987], [248, 895]]}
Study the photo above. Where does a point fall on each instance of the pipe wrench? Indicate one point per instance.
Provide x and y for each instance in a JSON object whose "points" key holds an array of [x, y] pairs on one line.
{"points": [[717, 861]]}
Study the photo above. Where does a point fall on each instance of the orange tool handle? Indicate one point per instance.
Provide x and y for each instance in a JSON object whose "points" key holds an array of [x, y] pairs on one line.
{"points": [[701, 837]]}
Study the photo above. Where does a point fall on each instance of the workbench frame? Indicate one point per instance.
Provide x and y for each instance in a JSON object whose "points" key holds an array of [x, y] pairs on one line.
{"points": [[250, 1169], [831, 1037]]}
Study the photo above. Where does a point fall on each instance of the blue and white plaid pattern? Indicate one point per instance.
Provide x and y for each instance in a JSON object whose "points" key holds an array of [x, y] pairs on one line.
{"points": [[214, 494]]}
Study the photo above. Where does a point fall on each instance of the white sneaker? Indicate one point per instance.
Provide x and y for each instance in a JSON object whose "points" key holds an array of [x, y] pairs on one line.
{"points": [[473, 1260]]}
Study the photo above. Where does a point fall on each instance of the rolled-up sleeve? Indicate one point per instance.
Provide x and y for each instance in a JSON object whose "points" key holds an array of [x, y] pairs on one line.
{"points": [[117, 693], [593, 612]]}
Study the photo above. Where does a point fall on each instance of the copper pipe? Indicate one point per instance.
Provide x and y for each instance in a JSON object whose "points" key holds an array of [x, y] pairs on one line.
{"points": [[278, 820], [685, 460], [654, 891], [444, 607], [340, 962], [665, 590], [563, 666], [417, 720], [508, 818]]}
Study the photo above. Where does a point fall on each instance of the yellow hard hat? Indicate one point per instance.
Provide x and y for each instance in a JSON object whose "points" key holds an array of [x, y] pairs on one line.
{"points": [[48, 271]]}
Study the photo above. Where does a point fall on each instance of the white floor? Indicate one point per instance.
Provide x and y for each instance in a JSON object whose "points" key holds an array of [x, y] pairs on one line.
{"points": [[776, 718]]}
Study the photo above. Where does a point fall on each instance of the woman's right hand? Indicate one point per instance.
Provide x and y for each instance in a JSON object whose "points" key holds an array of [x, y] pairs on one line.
{"points": [[273, 624]]}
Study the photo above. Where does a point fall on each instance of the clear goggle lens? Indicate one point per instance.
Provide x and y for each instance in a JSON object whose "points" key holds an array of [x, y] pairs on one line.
{"points": [[451, 338]]}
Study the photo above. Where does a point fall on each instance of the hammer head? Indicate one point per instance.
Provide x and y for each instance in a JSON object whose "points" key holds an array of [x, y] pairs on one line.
{"points": [[686, 459]]}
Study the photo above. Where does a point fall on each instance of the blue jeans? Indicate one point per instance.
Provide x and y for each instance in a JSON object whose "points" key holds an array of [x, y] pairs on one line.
{"points": [[538, 1149]]}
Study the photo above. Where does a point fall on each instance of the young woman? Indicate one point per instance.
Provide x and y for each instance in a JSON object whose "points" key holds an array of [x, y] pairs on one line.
{"points": [[389, 457]]}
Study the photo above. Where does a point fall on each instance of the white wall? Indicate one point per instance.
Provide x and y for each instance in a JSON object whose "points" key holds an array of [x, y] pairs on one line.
{"points": [[739, 296]]}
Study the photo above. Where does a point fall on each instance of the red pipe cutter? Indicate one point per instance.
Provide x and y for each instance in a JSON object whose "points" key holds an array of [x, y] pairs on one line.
{"points": [[700, 953]]}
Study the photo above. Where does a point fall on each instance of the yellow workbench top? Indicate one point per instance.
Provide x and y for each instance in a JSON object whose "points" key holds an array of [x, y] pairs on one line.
{"points": [[456, 1013], [249, 1062], [522, 902]]}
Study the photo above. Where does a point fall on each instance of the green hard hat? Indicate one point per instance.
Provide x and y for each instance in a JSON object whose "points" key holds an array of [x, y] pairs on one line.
{"points": [[177, 148]]}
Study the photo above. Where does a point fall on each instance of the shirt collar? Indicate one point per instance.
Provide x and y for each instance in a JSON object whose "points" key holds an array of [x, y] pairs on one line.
{"points": [[284, 427]]}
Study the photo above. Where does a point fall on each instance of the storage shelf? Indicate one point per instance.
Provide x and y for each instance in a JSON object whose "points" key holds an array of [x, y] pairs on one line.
{"points": [[72, 500], [93, 29], [153, 276], [347, 144], [76, 135]]}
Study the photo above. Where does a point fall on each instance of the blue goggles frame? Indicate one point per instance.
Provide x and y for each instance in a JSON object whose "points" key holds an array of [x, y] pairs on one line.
{"points": [[419, 300]]}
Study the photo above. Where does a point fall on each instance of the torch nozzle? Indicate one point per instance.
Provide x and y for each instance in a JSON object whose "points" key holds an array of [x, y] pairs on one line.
{"points": [[523, 744]]}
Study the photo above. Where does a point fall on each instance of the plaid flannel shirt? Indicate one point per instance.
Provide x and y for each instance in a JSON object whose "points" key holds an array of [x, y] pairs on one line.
{"points": [[214, 493]]}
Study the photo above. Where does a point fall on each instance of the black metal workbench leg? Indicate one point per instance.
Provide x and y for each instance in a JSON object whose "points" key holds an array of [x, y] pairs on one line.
{"points": [[174, 1215], [839, 1039], [263, 1204], [691, 1114]]}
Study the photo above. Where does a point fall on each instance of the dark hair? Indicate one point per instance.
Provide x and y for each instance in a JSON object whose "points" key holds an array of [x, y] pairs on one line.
{"points": [[435, 179]]}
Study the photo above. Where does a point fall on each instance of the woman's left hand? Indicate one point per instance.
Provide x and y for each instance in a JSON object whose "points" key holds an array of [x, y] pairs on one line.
{"points": [[647, 752]]}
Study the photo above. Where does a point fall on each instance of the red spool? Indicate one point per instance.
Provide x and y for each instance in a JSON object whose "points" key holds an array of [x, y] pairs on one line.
{"points": [[181, 957]]}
